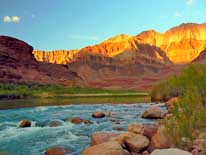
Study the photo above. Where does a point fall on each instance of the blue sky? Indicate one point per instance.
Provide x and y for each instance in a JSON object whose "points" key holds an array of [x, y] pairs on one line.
{"points": [[73, 24]]}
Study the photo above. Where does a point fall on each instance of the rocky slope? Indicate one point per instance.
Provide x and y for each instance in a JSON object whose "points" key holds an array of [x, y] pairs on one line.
{"points": [[17, 64]]}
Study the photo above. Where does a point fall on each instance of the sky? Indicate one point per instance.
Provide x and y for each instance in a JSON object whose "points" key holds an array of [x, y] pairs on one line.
{"points": [[73, 24]]}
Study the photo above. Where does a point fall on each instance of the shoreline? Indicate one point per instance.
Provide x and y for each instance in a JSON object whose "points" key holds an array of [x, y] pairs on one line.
{"points": [[76, 99]]}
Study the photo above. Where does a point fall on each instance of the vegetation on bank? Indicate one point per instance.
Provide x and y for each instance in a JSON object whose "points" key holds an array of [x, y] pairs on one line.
{"points": [[192, 77], [189, 113], [19, 91]]}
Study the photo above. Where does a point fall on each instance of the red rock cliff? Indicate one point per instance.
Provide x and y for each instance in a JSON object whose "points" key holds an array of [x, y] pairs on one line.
{"points": [[180, 44]]}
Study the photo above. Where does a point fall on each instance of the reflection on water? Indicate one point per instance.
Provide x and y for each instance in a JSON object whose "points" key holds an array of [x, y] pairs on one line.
{"points": [[72, 100]]}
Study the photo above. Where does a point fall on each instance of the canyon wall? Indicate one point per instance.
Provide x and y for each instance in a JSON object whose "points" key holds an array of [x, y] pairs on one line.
{"points": [[181, 44]]}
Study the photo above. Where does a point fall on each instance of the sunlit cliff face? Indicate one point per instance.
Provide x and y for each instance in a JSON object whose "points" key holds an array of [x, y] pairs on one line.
{"points": [[181, 44]]}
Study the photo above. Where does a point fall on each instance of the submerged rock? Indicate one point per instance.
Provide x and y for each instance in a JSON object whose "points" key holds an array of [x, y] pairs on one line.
{"points": [[101, 137], [170, 151], [25, 123], [55, 123], [57, 151], [153, 112], [108, 148], [85, 121], [98, 114]]}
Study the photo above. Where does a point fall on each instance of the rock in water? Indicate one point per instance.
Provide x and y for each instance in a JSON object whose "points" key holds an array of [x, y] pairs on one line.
{"points": [[108, 148], [55, 123], [170, 151], [57, 151], [76, 120], [98, 114], [25, 123], [154, 112]]}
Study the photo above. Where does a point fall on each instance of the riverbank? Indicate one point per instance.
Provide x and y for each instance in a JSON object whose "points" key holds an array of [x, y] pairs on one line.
{"points": [[31, 91]]}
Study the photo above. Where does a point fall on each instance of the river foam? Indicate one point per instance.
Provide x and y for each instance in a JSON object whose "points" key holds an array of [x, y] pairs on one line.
{"points": [[36, 139]]}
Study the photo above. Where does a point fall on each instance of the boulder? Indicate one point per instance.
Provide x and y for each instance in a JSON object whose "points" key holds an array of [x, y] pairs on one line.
{"points": [[55, 123], [136, 143], [108, 148], [153, 112], [25, 123], [76, 120], [133, 142], [170, 104], [149, 130], [160, 140], [101, 137], [136, 128], [57, 151], [170, 151], [98, 114]]}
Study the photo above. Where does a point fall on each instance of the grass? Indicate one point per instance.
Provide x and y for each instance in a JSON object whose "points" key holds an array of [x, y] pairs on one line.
{"points": [[189, 113], [193, 76], [20, 91]]}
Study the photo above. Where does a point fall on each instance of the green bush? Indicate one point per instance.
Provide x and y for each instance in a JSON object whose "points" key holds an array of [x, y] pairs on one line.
{"points": [[193, 76], [189, 113]]}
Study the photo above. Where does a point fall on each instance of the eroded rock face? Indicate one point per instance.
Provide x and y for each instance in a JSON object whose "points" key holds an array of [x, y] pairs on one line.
{"points": [[180, 44], [17, 64], [56, 57], [201, 58]]}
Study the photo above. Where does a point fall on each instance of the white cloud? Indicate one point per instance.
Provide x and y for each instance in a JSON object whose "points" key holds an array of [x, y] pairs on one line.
{"points": [[7, 19], [177, 14], [11, 19], [189, 2], [16, 19], [80, 37]]}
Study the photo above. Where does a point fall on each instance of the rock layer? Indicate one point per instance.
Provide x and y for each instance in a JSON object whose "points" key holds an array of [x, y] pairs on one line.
{"points": [[179, 44], [17, 64]]}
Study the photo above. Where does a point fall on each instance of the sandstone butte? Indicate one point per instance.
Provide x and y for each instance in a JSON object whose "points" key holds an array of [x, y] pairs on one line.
{"points": [[179, 45]]}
